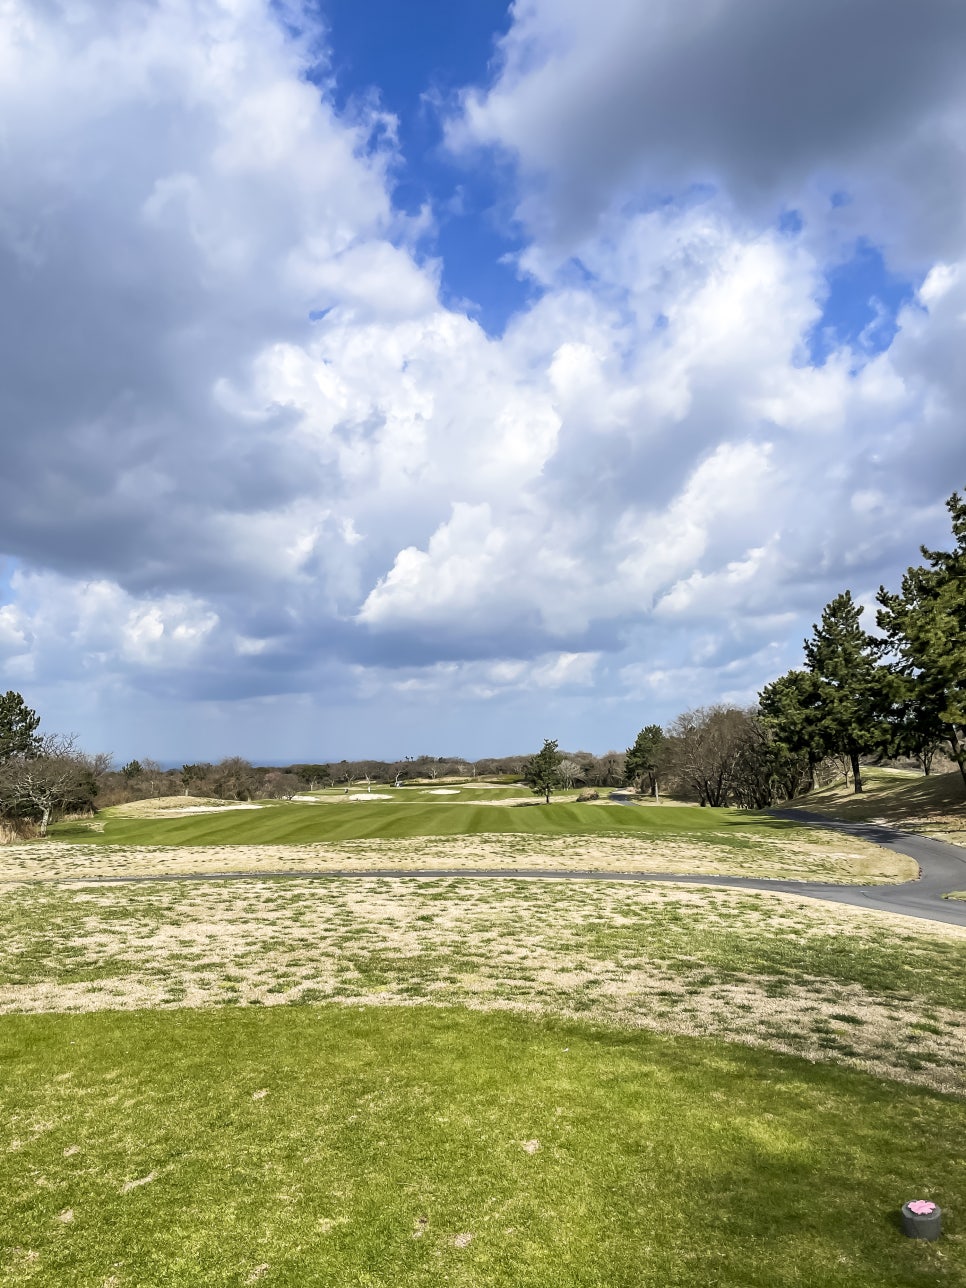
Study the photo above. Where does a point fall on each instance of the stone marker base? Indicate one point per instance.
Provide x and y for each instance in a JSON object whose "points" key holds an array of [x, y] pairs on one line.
{"points": [[928, 1226]]}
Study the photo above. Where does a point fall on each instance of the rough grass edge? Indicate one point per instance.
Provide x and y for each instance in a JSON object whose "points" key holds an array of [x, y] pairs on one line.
{"points": [[13, 830]]}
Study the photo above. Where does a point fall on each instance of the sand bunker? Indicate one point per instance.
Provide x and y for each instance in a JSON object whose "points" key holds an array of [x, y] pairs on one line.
{"points": [[172, 806], [441, 791], [370, 796], [209, 809]]}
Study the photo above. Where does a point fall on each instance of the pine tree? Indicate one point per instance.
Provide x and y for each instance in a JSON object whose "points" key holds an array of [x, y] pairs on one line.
{"points": [[925, 624], [852, 688], [542, 771], [18, 726], [791, 707], [646, 758]]}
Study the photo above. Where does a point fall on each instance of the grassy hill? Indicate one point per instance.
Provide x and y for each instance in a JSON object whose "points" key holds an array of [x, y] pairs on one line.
{"points": [[934, 806], [301, 823], [415, 832]]}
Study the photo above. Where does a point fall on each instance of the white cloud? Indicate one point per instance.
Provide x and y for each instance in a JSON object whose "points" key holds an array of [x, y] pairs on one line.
{"points": [[642, 483], [481, 681], [13, 637], [465, 558], [719, 593], [167, 633], [78, 627]]}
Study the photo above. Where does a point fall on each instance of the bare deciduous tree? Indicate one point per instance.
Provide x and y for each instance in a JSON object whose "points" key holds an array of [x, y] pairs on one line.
{"points": [[281, 785], [705, 746], [235, 779], [52, 778], [569, 772]]}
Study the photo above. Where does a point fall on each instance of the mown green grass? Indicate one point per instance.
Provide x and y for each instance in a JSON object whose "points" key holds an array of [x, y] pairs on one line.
{"points": [[370, 1149], [359, 820]]}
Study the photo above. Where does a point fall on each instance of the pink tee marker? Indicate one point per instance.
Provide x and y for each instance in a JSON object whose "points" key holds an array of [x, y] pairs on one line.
{"points": [[921, 1219]]}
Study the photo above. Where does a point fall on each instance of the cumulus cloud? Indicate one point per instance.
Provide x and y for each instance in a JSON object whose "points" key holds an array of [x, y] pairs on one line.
{"points": [[252, 464], [175, 196], [761, 98], [473, 681]]}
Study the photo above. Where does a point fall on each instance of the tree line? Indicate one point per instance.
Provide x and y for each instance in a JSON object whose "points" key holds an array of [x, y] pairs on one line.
{"points": [[714, 755], [237, 779], [44, 776]]}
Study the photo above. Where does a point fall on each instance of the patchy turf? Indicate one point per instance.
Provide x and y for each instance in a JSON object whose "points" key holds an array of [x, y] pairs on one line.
{"points": [[448, 1082], [792, 853], [381, 1148], [870, 990]]}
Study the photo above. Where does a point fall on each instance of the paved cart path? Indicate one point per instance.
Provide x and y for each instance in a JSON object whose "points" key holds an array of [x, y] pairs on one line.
{"points": [[942, 869]]}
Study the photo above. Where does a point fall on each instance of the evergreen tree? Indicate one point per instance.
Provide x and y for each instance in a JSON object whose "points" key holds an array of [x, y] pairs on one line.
{"points": [[852, 688], [925, 624], [542, 771], [916, 728], [646, 758], [18, 727], [791, 707]]}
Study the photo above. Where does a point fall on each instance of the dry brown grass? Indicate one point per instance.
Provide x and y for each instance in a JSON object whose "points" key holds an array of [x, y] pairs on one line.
{"points": [[912, 802], [804, 856], [637, 956], [14, 830]]}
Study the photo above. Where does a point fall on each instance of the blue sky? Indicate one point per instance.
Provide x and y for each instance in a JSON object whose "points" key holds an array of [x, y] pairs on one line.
{"points": [[381, 379], [416, 59], [861, 305]]}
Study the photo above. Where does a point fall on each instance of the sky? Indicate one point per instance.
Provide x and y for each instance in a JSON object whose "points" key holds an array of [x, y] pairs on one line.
{"points": [[383, 380]]}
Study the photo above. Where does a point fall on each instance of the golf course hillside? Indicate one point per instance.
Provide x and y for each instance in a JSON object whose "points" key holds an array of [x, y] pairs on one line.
{"points": [[934, 804], [216, 1071], [470, 471]]}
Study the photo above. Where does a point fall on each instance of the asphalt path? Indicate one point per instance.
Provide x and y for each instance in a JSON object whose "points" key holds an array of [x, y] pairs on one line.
{"points": [[942, 868]]}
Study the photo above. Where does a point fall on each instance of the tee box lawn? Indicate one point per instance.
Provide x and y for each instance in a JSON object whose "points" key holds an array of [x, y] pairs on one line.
{"points": [[336, 1146]]}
